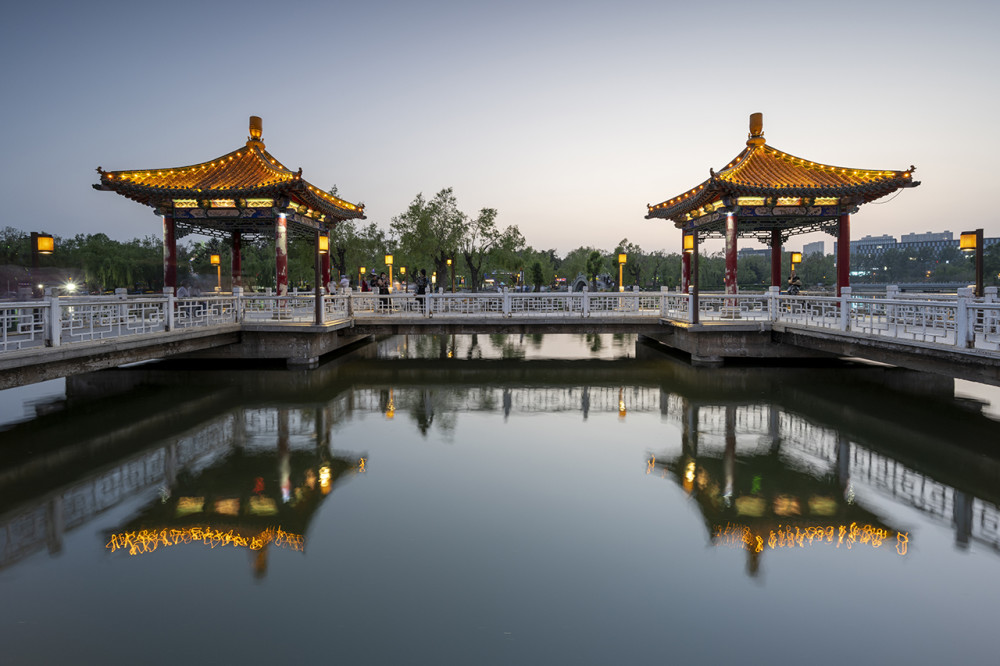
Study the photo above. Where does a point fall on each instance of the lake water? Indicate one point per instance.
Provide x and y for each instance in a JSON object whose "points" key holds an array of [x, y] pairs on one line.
{"points": [[500, 499]]}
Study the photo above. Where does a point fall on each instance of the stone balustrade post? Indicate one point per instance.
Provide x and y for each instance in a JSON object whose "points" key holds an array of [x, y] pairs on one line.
{"points": [[990, 294], [169, 305], [238, 304], [773, 303], [53, 327], [964, 331], [506, 303], [664, 299], [586, 301], [845, 308], [121, 294]]}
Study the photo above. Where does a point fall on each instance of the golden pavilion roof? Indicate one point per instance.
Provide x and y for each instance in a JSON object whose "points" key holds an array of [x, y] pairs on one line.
{"points": [[763, 171], [247, 173]]}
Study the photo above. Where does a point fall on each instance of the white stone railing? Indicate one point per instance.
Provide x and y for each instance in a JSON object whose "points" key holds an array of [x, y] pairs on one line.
{"points": [[962, 321]]}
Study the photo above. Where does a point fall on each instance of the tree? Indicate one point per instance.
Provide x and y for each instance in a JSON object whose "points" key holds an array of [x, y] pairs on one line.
{"points": [[595, 262], [483, 239], [537, 278], [430, 230]]}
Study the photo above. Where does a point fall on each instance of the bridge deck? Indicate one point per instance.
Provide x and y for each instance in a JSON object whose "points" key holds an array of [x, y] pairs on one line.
{"points": [[957, 336]]}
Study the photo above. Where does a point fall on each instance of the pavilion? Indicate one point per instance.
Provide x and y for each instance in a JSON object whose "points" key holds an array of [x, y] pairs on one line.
{"points": [[247, 192], [767, 194]]}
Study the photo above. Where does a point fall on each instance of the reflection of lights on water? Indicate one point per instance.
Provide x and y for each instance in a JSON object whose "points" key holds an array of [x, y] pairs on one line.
{"points": [[736, 535], [390, 408], [650, 463], [147, 541], [324, 479], [689, 472], [621, 403], [362, 465]]}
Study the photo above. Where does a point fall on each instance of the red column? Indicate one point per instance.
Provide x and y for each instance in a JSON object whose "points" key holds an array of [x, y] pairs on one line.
{"points": [[326, 261], [844, 252], [775, 258], [169, 253], [281, 254], [237, 260], [730, 278], [685, 268]]}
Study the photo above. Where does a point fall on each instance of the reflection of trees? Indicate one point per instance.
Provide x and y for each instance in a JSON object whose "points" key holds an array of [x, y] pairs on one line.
{"points": [[506, 347], [595, 341]]}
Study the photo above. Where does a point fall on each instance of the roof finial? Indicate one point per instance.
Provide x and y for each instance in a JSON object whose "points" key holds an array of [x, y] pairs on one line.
{"points": [[756, 137], [256, 129]]}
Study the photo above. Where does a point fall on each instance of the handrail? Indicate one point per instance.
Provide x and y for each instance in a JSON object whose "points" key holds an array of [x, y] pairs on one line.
{"points": [[959, 322]]}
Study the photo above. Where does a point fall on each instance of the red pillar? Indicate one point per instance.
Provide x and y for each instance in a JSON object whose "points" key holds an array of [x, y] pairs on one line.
{"points": [[326, 261], [281, 254], [775, 258], [730, 278], [843, 252], [169, 253], [237, 260], [685, 268]]}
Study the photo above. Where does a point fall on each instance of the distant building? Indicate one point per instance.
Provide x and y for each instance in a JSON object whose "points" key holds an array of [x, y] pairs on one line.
{"points": [[870, 245], [818, 247], [876, 245], [752, 252], [926, 236]]}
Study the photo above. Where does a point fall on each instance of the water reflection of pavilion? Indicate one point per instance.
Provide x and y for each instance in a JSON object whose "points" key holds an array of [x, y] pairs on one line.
{"points": [[249, 498], [763, 499]]}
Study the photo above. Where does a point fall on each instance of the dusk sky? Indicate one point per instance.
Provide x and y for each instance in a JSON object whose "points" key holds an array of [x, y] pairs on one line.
{"points": [[567, 117]]}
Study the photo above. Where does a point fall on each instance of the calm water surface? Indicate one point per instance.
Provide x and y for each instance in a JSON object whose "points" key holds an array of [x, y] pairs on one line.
{"points": [[500, 499]]}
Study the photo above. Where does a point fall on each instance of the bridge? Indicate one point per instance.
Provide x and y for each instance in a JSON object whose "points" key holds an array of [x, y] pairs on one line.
{"points": [[958, 336]]}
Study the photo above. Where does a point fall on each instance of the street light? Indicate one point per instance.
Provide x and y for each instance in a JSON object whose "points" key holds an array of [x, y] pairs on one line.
{"points": [[324, 244], [452, 275], [621, 262], [972, 241], [402, 277], [361, 274], [41, 244], [216, 261], [796, 260], [691, 247], [388, 262]]}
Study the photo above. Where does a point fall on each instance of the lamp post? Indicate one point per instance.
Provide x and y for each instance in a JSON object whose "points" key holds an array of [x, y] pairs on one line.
{"points": [[691, 248], [388, 262], [796, 260], [621, 262], [402, 277], [361, 274], [216, 261], [972, 241], [41, 244], [452, 265]]}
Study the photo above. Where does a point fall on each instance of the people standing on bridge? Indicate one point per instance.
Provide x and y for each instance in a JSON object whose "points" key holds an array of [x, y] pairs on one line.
{"points": [[421, 283], [794, 285], [382, 287], [345, 284]]}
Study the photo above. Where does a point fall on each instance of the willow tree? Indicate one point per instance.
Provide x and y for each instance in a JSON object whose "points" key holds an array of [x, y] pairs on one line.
{"points": [[431, 229], [482, 239]]}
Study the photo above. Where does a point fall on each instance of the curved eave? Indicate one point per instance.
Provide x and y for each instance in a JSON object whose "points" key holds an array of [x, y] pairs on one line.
{"points": [[761, 170], [249, 172], [684, 203]]}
